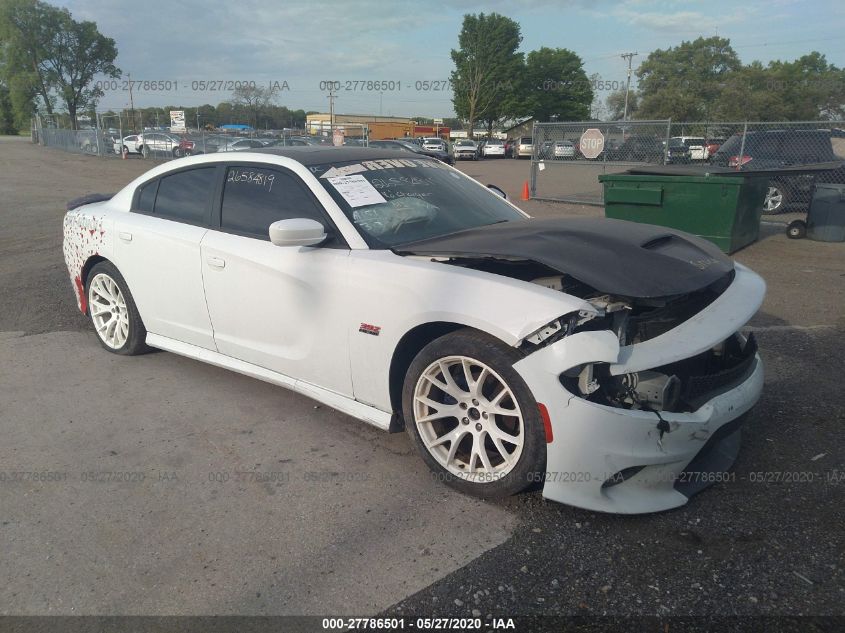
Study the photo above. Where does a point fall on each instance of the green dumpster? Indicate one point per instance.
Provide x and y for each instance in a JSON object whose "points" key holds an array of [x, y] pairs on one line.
{"points": [[724, 209]]}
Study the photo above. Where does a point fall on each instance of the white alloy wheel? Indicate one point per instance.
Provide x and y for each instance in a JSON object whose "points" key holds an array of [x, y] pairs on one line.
{"points": [[108, 311], [469, 419], [774, 199]]}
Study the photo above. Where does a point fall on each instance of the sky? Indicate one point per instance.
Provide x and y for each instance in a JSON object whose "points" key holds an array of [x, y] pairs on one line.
{"points": [[298, 45]]}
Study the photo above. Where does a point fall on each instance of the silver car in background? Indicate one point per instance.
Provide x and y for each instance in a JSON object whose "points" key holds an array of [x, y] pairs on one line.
{"points": [[466, 148], [525, 147], [240, 145], [156, 143]]}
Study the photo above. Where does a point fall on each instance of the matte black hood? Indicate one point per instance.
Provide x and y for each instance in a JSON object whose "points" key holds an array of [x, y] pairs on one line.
{"points": [[613, 256]]}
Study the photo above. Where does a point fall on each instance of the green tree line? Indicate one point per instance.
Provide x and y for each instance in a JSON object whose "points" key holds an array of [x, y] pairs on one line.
{"points": [[704, 80]]}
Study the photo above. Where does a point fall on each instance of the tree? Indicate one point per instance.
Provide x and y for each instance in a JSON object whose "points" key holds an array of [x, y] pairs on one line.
{"points": [[808, 88], [685, 83], [487, 67], [556, 86], [81, 52], [253, 99], [27, 31], [7, 114], [49, 54], [616, 104]]}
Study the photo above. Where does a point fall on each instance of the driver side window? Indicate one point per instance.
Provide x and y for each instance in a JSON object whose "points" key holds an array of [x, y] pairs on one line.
{"points": [[254, 197]]}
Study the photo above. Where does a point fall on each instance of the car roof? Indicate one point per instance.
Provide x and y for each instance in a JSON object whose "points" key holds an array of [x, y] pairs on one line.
{"points": [[319, 154]]}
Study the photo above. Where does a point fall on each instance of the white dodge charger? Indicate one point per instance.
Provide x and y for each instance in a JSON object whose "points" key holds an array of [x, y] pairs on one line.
{"points": [[598, 357]]}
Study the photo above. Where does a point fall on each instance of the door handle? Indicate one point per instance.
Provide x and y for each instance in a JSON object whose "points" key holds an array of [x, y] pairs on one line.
{"points": [[216, 262], [125, 236]]}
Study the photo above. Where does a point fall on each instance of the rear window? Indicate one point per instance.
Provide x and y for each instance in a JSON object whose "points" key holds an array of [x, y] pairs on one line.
{"points": [[185, 196], [526, 140]]}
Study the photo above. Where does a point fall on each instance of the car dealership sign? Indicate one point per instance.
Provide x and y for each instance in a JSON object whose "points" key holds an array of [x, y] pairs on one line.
{"points": [[592, 143]]}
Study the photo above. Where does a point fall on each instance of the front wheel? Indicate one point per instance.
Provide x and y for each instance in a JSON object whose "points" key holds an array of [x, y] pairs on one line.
{"points": [[471, 416], [113, 312]]}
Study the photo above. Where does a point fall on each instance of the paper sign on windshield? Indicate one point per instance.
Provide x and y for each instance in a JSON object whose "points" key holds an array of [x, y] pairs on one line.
{"points": [[356, 190]]}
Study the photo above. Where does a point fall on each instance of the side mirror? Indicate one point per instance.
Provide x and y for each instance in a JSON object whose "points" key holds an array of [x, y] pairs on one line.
{"points": [[497, 191], [297, 232]]}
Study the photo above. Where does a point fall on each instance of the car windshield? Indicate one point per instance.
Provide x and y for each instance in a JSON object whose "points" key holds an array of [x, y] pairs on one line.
{"points": [[396, 201], [465, 143]]}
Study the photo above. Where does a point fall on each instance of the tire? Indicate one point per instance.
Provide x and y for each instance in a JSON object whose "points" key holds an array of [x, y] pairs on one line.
{"points": [[796, 229], [109, 301], [475, 416], [777, 199]]}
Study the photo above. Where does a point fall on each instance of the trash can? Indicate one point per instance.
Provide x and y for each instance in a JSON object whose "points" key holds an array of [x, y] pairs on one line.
{"points": [[723, 208], [826, 217]]}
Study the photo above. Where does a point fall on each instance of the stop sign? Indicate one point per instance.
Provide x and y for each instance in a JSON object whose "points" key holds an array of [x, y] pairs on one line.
{"points": [[592, 143]]}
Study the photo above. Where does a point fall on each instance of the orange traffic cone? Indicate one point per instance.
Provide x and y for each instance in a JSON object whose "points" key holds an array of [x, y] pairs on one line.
{"points": [[526, 195]]}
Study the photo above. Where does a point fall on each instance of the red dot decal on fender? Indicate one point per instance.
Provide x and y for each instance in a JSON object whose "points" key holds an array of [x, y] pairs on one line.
{"points": [[547, 422]]}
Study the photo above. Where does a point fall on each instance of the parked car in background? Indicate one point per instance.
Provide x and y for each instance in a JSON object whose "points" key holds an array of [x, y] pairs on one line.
{"points": [[646, 149], [771, 149], [678, 152], [524, 147], [157, 144], [557, 150], [294, 141], [466, 149], [404, 145], [240, 145], [712, 146], [434, 143], [695, 145], [494, 147], [128, 144]]}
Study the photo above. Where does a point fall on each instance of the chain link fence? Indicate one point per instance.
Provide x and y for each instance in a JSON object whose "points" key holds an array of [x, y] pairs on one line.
{"points": [[567, 158], [162, 144], [566, 169]]}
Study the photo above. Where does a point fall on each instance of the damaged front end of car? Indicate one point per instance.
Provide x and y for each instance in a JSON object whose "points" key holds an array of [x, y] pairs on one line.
{"points": [[645, 399], [645, 386]]}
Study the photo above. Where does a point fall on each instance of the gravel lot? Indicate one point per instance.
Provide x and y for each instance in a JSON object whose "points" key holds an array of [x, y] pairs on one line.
{"points": [[370, 531]]}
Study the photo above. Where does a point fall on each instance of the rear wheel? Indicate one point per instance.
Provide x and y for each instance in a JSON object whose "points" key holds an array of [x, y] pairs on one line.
{"points": [[471, 416], [113, 313]]}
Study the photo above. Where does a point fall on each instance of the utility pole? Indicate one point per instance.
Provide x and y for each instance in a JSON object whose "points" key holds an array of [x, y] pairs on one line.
{"points": [[131, 101], [332, 96], [629, 57]]}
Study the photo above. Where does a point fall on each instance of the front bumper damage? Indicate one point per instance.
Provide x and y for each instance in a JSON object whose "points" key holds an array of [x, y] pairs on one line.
{"points": [[631, 461]]}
